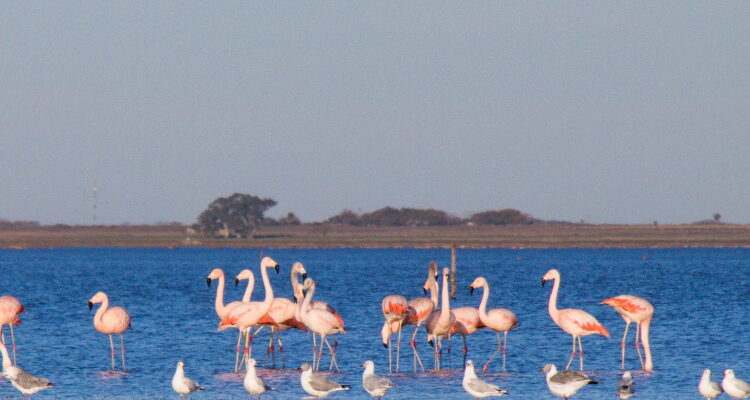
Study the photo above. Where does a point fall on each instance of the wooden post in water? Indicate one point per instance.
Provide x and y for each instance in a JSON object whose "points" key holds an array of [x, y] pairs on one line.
{"points": [[453, 271]]}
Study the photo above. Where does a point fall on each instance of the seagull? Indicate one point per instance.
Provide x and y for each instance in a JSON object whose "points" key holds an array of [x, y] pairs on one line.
{"points": [[318, 386], [476, 387], [565, 383], [707, 388], [626, 386], [182, 384], [253, 384], [734, 387], [26, 383], [374, 385]]}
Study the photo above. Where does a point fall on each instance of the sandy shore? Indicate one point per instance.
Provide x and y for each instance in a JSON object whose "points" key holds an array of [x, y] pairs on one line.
{"points": [[323, 236]]}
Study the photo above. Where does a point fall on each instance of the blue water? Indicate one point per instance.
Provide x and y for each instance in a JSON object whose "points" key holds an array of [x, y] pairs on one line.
{"points": [[701, 298]]}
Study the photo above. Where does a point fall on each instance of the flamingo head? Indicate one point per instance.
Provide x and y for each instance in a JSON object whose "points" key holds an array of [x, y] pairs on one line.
{"points": [[447, 274], [297, 267], [479, 282], [550, 275], [215, 274], [98, 298], [431, 339], [268, 262], [244, 274], [385, 334], [309, 283]]}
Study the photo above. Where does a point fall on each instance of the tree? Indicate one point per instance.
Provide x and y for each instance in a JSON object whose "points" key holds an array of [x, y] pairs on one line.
{"points": [[290, 219], [717, 217], [507, 216], [237, 215]]}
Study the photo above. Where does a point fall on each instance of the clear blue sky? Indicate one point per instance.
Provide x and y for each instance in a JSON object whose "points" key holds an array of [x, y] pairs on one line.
{"points": [[605, 111]]}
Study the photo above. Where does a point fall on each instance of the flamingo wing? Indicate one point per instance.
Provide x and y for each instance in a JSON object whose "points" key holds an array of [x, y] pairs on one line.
{"points": [[579, 322]]}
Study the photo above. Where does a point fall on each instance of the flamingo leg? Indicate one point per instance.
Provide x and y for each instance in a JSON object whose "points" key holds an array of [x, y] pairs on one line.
{"points": [[237, 351], [281, 351], [333, 357], [413, 344], [398, 346], [449, 352], [499, 348], [315, 351], [320, 351], [638, 343], [390, 356], [13, 343], [572, 354], [465, 350], [622, 345], [580, 351], [122, 350], [505, 348], [112, 352]]}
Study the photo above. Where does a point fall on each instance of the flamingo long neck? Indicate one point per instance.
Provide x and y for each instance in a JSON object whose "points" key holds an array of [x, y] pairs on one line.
{"points": [[219, 302], [296, 286], [269, 291], [483, 304], [552, 307], [308, 298], [249, 289], [433, 290], [102, 309], [648, 365], [445, 308]]}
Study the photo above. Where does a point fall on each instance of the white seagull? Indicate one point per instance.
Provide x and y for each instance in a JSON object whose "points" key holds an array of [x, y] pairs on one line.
{"points": [[734, 387], [476, 387], [182, 384], [626, 386], [707, 388], [374, 385], [252, 383], [26, 383], [565, 383], [317, 386]]}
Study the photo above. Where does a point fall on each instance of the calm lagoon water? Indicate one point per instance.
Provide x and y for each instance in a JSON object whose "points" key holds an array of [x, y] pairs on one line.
{"points": [[701, 298]]}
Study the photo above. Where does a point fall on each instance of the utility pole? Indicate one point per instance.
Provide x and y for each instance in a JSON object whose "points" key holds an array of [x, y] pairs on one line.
{"points": [[453, 271]]}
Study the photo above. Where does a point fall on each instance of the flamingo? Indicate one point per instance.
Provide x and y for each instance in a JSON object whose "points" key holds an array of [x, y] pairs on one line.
{"points": [[10, 308], [395, 310], [109, 321], [467, 323], [321, 322], [440, 322], [249, 314], [283, 311], [497, 319], [222, 310], [573, 321], [299, 270], [419, 310], [640, 311]]}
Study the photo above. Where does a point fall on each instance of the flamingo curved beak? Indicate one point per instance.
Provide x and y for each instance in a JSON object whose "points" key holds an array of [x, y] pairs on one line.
{"points": [[304, 276], [543, 282], [385, 345], [424, 290], [91, 305], [294, 299], [276, 267], [471, 290], [236, 282], [432, 343], [208, 282]]}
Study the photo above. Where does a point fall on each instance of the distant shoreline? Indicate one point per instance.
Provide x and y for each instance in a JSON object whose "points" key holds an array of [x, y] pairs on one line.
{"points": [[540, 236]]}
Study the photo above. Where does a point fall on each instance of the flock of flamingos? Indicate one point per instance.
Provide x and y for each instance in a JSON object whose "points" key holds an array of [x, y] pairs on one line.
{"points": [[303, 313]]}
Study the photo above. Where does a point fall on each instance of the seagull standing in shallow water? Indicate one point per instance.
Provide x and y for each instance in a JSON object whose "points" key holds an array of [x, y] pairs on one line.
{"points": [[316, 385], [736, 388], [565, 383], [708, 388], [252, 383], [182, 384], [476, 387], [626, 386], [374, 385], [26, 383]]}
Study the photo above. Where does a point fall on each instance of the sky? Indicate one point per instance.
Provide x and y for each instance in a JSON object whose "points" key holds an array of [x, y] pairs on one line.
{"points": [[605, 111]]}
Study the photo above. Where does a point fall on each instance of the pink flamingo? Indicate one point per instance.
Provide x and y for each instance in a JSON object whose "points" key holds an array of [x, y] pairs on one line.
{"points": [[467, 323], [109, 321], [282, 310], [10, 308], [440, 322], [638, 310], [299, 270], [573, 321], [321, 322], [497, 319], [222, 310], [248, 314], [395, 310]]}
